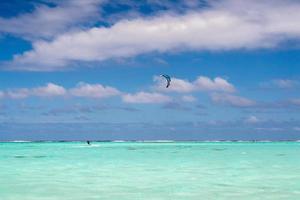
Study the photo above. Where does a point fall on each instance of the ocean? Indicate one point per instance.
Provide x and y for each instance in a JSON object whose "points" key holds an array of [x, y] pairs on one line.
{"points": [[149, 170]]}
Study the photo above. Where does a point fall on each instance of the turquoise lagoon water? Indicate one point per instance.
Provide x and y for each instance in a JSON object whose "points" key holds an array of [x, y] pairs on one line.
{"points": [[132, 170]]}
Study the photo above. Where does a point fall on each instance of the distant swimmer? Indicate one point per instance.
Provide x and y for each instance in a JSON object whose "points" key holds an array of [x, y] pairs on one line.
{"points": [[88, 142]]}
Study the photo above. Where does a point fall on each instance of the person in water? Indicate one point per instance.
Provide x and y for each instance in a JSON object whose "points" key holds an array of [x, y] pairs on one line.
{"points": [[88, 142]]}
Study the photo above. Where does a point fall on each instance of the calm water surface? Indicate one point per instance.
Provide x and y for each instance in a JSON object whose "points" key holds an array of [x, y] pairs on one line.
{"points": [[156, 171]]}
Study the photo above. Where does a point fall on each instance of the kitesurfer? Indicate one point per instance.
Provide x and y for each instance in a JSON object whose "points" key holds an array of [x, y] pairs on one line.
{"points": [[168, 79]]}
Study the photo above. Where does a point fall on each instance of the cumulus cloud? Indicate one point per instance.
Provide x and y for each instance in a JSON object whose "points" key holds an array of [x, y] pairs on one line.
{"points": [[188, 98], [84, 109], [232, 100], [52, 90], [17, 93], [175, 106], [218, 84], [146, 97], [177, 85], [285, 83], [49, 90], [224, 25], [281, 83], [48, 21], [269, 129], [202, 83], [1, 94], [295, 102], [252, 120], [93, 91], [296, 128]]}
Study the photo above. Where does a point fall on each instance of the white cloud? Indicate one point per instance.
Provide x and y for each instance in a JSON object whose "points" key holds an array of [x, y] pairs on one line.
{"points": [[202, 83], [295, 102], [296, 128], [284, 83], [224, 25], [17, 93], [218, 84], [177, 85], [93, 91], [232, 100], [1, 94], [46, 21], [281, 83], [269, 129], [188, 98], [49, 90], [252, 120], [145, 97]]}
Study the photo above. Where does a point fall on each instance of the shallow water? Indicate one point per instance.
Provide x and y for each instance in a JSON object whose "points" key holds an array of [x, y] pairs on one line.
{"points": [[129, 171]]}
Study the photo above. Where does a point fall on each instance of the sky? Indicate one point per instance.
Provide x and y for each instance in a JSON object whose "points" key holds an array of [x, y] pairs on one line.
{"points": [[90, 70]]}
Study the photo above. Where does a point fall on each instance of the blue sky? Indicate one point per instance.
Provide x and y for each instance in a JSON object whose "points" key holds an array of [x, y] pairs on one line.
{"points": [[78, 70]]}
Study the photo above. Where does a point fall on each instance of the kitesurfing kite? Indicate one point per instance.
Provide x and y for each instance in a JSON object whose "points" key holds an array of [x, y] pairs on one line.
{"points": [[168, 78]]}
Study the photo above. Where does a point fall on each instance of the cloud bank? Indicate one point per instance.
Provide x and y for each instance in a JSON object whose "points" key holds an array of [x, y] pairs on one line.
{"points": [[54, 90], [46, 22], [93, 91], [224, 25], [85, 90], [146, 97], [232, 100], [202, 83]]}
